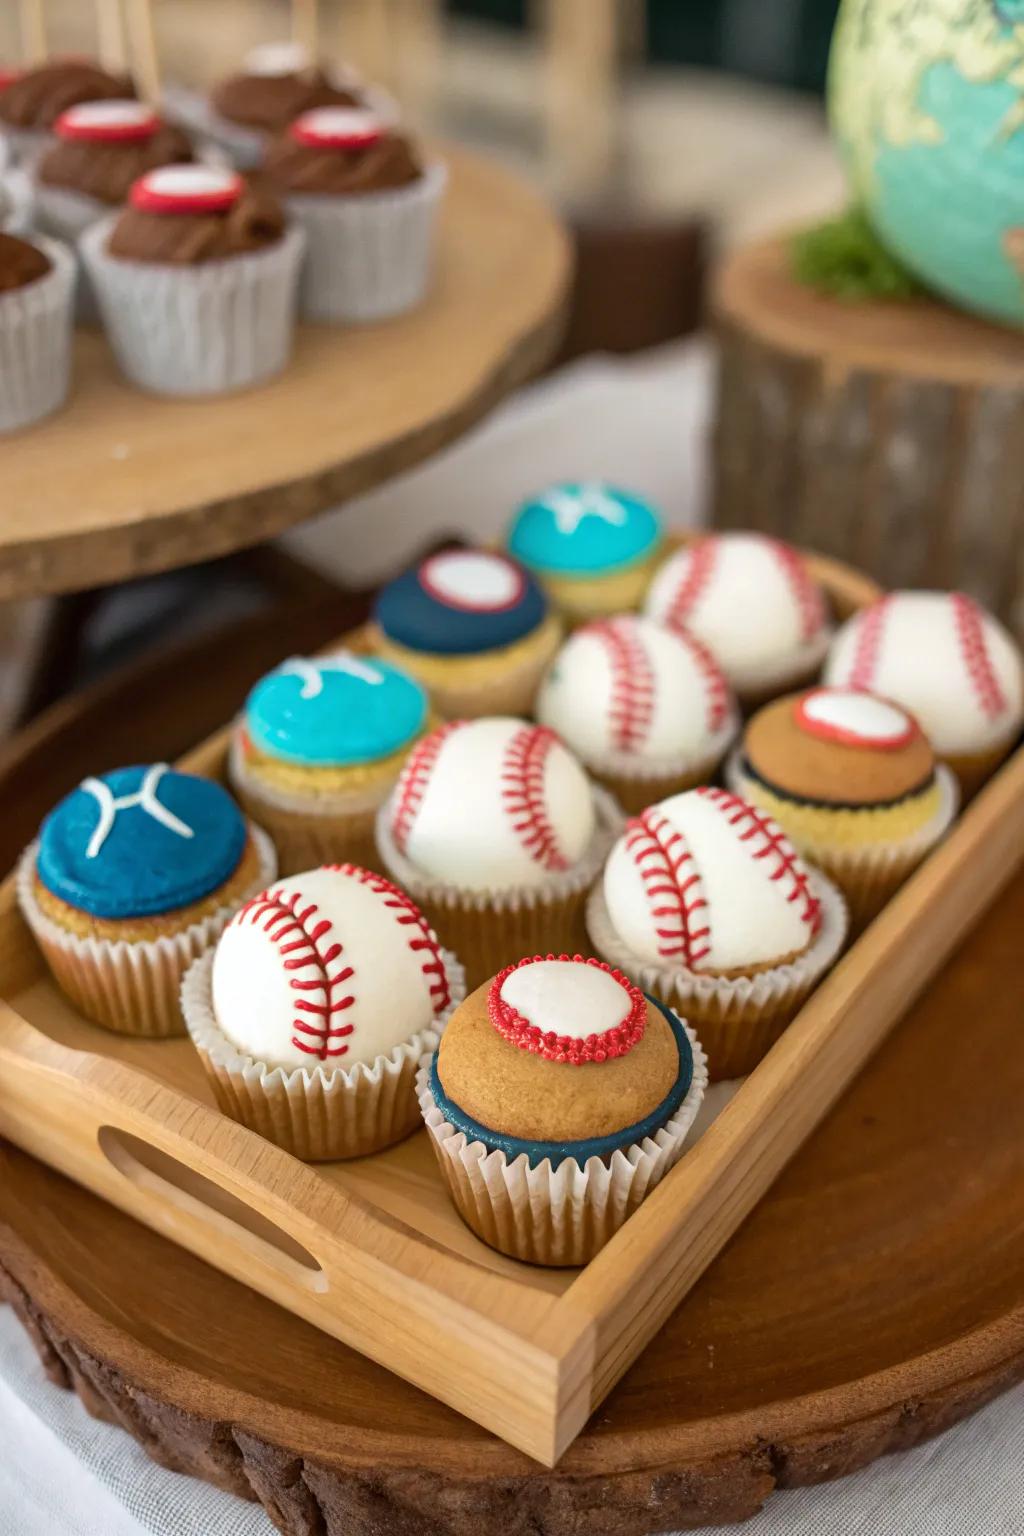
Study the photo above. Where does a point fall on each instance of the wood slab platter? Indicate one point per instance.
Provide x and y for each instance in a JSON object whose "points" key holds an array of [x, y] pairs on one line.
{"points": [[122, 484]]}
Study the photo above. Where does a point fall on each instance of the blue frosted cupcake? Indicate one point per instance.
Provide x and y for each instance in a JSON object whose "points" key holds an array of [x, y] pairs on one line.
{"points": [[474, 627], [593, 546], [557, 1099], [133, 876], [319, 748]]}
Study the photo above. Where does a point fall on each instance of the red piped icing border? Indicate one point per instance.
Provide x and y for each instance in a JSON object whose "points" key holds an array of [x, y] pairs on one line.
{"points": [[806, 594], [672, 884], [154, 192], [606, 1046], [751, 823], [88, 122], [413, 781], [828, 730], [522, 794], [970, 633], [298, 936], [337, 128], [631, 705], [431, 584], [423, 943]]}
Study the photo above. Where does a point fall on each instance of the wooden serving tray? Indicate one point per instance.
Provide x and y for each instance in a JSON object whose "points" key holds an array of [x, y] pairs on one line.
{"points": [[373, 1253]]}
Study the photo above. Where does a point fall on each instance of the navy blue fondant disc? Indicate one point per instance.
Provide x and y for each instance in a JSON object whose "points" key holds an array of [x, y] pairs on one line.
{"points": [[140, 841], [558, 1151], [460, 603]]}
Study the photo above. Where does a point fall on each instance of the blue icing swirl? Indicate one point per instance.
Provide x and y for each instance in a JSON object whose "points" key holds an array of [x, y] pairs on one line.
{"points": [[584, 529], [558, 1151], [140, 841], [336, 711], [421, 610]]}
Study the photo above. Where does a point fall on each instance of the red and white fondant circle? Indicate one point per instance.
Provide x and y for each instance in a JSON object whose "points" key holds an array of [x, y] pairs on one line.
{"points": [[272, 61], [184, 189], [334, 966], [750, 599], [567, 1009], [708, 882], [854, 719], [108, 121], [630, 688], [8, 77], [490, 804], [337, 128], [941, 656], [473, 580]]}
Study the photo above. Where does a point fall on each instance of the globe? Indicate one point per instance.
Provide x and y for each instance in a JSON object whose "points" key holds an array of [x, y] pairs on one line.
{"points": [[926, 99]]}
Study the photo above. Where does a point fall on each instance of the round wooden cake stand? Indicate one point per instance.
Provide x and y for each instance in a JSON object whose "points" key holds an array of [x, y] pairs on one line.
{"points": [[122, 484], [875, 1297]]}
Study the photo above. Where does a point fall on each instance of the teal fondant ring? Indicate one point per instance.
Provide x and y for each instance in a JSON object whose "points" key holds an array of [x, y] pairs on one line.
{"points": [[335, 711], [584, 529]]}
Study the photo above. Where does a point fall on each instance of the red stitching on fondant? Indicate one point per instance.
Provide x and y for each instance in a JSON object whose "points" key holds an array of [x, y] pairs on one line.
{"points": [[970, 634], [631, 705], [754, 823], [673, 886], [413, 781], [703, 556], [716, 687], [606, 1046], [867, 649], [806, 594], [522, 794], [300, 948], [425, 945]]}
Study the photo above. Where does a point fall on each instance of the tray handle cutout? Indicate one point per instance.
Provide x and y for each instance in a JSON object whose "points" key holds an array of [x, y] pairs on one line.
{"points": [[158, 1173]]}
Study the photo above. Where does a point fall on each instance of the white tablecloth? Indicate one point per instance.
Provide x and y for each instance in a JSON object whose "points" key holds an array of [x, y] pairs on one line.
{"points": [[642, 424]]}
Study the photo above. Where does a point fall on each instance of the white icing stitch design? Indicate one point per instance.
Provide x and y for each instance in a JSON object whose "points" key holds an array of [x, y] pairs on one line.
{"points": [[311, 672], [145, 797], [590, 500]]}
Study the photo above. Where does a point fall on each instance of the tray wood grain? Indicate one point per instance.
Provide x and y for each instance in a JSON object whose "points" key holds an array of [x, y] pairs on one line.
{"points": [[372, 1253]]}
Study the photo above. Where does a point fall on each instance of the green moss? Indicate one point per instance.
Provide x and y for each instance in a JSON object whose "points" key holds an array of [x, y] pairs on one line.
{"points": [[845, 258]]}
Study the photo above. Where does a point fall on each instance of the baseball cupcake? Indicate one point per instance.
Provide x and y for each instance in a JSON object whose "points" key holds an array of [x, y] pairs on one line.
{"points": [[319, 748], [753, 603], [37, 292], [706, 904], [497, 833], [853, 782], [368, 205], [950, 663], [196, 281], [592, 546], [558, 1098], [132, 877], [473, 626], [646, 709], [313, 1013]]}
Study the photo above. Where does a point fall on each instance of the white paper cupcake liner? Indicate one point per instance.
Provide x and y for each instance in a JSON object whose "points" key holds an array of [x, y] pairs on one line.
{"points": [[246, 147], [757, 682], [318, 1114], [204, 329], [35, 341], [25, 146], [868, 873], [556, 1216], [133, 989], [491, 928], [738, 1018], [16, 199], [369, 256]]}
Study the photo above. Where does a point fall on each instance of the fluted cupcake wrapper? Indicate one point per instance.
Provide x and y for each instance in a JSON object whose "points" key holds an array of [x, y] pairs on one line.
{"points": [[319, 1114], [502, 683], [557, 1216], [25, 146], [130, 988], [17, 199], [66, 216], [203, 329], [637, 783], [738, 1018], [491, 929], [369, 255], [867, 873], [245, 148], [35, 341]]}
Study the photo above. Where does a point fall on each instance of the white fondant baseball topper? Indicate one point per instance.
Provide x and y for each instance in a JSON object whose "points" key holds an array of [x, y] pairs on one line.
{"points": [[473, 580], [334, 966], [707, 882], [337, 128], [183, 189], [491, 804], [752, 602], [108, 121], [944, 658], [275, 60], [854, 719], [628, 688]]}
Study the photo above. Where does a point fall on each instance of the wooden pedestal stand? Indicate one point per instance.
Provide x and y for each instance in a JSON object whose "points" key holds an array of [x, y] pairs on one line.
{"points": [[888, 434]]}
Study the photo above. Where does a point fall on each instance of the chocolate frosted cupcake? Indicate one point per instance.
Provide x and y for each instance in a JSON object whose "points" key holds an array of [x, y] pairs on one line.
{"points": [[558, 1098], [368, 207], [101, 149], [133, 876], [196, 281], [318, 750], [33, 100], [853, 782], [37, 286]]}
